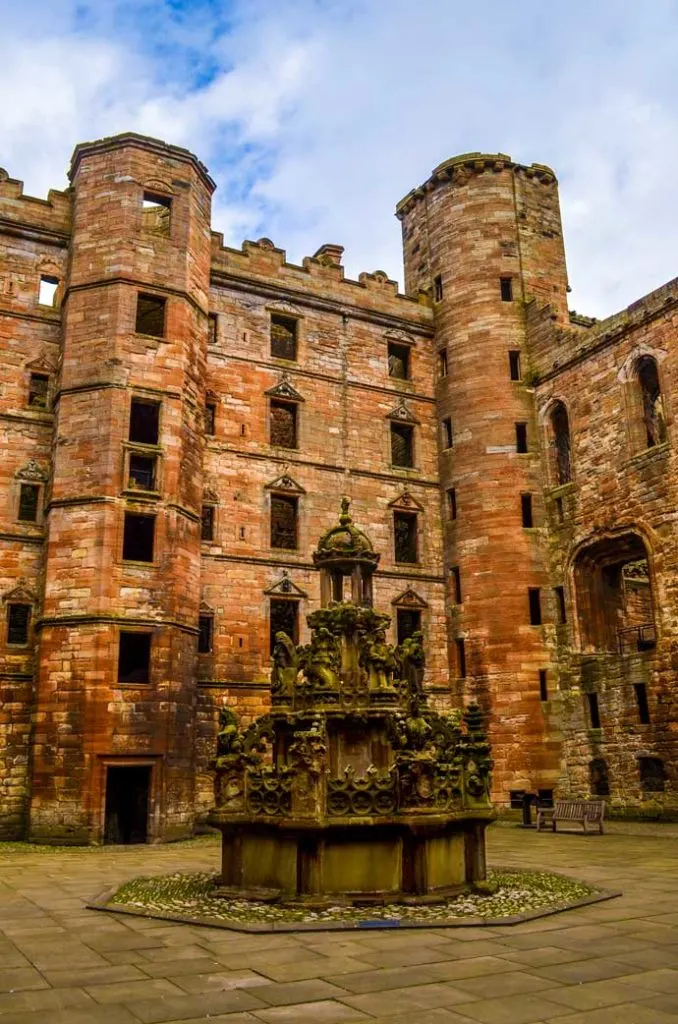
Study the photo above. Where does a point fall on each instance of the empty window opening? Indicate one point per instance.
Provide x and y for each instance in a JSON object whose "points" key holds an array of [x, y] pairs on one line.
{"points": [[156, 214], [29, 501], [561, 610], [210, 418], [506, 289], [521, 438], [408, 622], [283, 337], [142, 472], [448, 435], [38, 391], [560, 510], [18, 621], [402, 445], [207, 522], [127, 804], [442, 362], [137, 543], [405, 536], [144, 421], [284, 516], [134, 657], [150, 315], [452, 502], [242, 533], [438, 288], [561, 445], [516, 799], [212, 324], [526, 510], [47, 295], [205, 634], [456, 583], [640, 690], [593, 710], [653, 408], [599, 777], [460, 646], [398, 361], [545, 797], [543, 684], [652, 774], [284, 618], [534, 598], [283, 424], [514, 365]]}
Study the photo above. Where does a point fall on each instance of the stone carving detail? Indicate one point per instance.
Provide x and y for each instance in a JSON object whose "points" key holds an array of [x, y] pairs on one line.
{"points": [[402, 414], [284, 389], [32, 471]]}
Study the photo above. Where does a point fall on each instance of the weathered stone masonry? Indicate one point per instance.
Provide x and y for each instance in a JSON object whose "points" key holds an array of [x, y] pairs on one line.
{"points": [[180, 420]]}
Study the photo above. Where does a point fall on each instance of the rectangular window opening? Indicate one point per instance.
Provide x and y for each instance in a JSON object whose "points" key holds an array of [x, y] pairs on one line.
{"points": [[156, 213], [142, 470], [207, 522], [284, 337], [442, 362], [640, 690], [594, 710], [283, 424], [408, 622], [134, 657], [560, 510], [521, 438], [29, 501], [452, 502], [205, 633], [38, 390], [284, 522], [144, 421], [210, 418], [460, 645], [18, 621], [514, 365], [405, 536], [438, 288], [448, 434], [560, 604], [456, 582], [506, 288], [284, 618], [47, 294], [398, 361], [402, 445], [138, 537], [526, 511], [543, 684], [534, 597], [212, 324], [516, 799], [150, 317]]}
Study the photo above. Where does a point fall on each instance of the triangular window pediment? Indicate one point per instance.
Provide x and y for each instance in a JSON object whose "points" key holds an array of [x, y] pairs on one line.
{"points": [[285, 587], [285, 390], [32, 471], [21, 594], [406, 503], [409, 599], [402, 414], [285, 483]]}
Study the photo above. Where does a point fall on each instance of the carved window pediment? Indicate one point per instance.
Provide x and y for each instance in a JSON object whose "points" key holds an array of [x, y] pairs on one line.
{"points": [[285, 587], [43, 364], [405, 503], [286, 484], [21, 594], [284, 389], [400, 337], [32, 471], [409, 599], [206, 609], [402, 414]]}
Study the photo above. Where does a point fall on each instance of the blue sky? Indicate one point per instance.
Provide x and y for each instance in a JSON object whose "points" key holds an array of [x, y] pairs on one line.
{"points": [[316, 116]]}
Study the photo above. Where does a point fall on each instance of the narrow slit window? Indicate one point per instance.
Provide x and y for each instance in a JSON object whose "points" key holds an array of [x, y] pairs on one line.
{"points": [[452, 502], [47, 294], [283, 424], [142, 471], [405, 536], [534, 600], [543, 684], [438, 288], [212, 325], [210, 418], [561, 443], [402, 445], [448, 433], [506, 289], [205, 634], [560, 604], [150, 317], [138, 537], [284, 337], [284, 522], [18, 622], [640, 690], [398, 361], [284, 618], [560, 510], [408, 622], [207, 522], [526, 511], [38, 391], [144, 421], [156, 214], [521, 438], [134, 657], [456, 583], [460, 645], [29, 503], [442, 362], [652, 407], [594, 710], [514, 365]]}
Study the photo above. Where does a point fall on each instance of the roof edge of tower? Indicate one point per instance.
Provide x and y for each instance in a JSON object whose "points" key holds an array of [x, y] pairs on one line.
{"points": [[458, 169], [146, 142]]}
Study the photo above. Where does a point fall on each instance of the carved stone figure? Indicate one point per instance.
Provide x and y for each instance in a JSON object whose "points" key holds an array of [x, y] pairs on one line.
{"points": [[285, 667], [412, 661], [229, 737]]}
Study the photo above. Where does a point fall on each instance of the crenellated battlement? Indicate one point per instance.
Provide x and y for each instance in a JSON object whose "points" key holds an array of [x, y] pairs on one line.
{"points": [[53, 214]]}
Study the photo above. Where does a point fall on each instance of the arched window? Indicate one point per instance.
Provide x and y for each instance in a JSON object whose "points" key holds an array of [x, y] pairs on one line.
{"points": [[652, 406], [599, 778], [560, 440]]}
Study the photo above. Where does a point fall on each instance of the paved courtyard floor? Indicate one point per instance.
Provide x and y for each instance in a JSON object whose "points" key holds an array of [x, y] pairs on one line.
{"points": [[613, 963]]}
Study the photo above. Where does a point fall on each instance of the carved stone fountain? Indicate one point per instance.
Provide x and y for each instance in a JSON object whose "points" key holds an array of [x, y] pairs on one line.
{"points": [[351, 788]]}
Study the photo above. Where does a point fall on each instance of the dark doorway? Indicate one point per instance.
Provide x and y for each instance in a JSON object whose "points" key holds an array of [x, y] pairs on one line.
{"points": [[127, 792]]}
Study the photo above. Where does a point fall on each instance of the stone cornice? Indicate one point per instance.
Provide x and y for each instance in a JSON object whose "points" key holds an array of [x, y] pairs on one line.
{"points": [[117, 620], [44, 236], [145, 142]]}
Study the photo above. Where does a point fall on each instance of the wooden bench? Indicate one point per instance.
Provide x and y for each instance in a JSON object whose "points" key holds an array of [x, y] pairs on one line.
{"points": [[588, 812]]}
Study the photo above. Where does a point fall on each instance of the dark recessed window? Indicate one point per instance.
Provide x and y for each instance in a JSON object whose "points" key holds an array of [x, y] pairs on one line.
{"points": [[560, 510], [599, 777], [38, 391], [526, 510], [534, 598], [398, 361], [514, 365], [47, 294], [150, 315], [448, 435], [640, 690], [212, 324], [652, 405], [283, 337], [283, 424], [452, 502], [137, 543], [506, 288], [543, 684], [205, 633], [284, 618], [210, 418], [460, 647], [18, 621], [652, 774], [442, 362], [29, 500], [405, 536], [134, 657], [156, 214], [144, 421], [594, 710], [438, 288], [560, 604], [545, 797], [455, 573], [207, 522], [521, 438], [408, 621], [402, 445], [142, 472], [284, 515], [516, 798]]}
